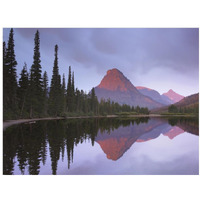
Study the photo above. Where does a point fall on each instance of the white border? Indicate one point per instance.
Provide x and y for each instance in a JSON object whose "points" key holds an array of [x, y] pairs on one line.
{"points": [[104, 13]]}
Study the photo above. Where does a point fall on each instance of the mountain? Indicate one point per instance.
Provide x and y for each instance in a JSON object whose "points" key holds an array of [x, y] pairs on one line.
{"points": [[188, 101], [167, 99], [191, 101], [175, 97], [155, 95], [116, 87]]}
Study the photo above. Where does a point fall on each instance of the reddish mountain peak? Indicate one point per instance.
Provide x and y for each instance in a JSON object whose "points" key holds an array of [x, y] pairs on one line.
{"points": [[175, 97], [142, 88], [114, 80], [171, 92], [114, 71]]}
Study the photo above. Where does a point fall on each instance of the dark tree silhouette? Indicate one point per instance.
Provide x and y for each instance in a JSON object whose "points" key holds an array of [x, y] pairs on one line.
{"points": [[94, 102], [45, 93], [10, 76], [70, 92], [5, 81], [63, 94], [55, 94], [23, 91], [36, 80], [172, 109]]}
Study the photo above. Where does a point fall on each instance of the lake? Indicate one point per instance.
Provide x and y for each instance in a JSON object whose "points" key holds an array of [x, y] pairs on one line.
{"points": [[113, 146]]}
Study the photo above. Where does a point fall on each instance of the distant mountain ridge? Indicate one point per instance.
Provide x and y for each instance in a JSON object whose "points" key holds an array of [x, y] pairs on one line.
{"points": [[116, 87], [155, 95], [173, 96]]}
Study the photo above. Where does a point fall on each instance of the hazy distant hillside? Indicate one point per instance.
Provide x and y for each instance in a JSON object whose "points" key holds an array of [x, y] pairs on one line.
{"points": [[189, 102], [155, 95]]}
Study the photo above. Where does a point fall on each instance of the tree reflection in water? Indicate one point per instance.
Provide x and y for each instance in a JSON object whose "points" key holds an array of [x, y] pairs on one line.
{"points": [[27, 143]]}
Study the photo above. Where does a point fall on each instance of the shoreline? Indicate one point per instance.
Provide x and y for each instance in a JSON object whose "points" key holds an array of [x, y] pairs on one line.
{"points": [[9, 123]]}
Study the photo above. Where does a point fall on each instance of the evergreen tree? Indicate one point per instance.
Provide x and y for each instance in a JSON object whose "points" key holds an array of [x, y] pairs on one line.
{"points": [[5, 80], [172, 109], [94, 101], [45, 92], [137, 109], [63, 94], [36, 78], [69, 96], [23, 90], [85, 103], [73, 94], [4, 53], [30, 94], [82, 101], [55, 89], [10, 76], [78, 101], [73, 88]]}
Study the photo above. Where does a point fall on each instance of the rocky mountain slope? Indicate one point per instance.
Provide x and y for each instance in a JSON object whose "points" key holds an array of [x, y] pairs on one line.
{"points": [[116, 87]]}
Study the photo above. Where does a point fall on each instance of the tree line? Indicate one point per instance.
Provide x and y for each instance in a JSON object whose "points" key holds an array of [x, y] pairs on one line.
{"points": [[31, 97], [184, 109]]}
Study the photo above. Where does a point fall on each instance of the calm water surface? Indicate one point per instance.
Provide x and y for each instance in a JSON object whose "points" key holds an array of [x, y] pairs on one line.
{"points": [[103, 146]]}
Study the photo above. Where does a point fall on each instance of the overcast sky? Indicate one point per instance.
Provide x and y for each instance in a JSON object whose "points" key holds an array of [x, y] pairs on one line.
{"points": [[158, 58]]}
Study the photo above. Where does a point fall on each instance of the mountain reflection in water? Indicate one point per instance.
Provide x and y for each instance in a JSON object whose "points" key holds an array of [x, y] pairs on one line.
{"points": [[26, 147]]}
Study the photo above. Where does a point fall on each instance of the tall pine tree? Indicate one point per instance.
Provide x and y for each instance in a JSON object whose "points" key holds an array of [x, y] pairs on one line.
{"points": [[23, 91], [45, 93], [30, 94], [36, 79], [73, 94], [10, 76], [55, 89], [73, 88], [5, 80], [69, 96], [63, 94], [94, 102]]}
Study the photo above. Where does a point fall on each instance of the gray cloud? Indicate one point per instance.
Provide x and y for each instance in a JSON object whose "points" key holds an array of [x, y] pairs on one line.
{"points": [[137, 52]]}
